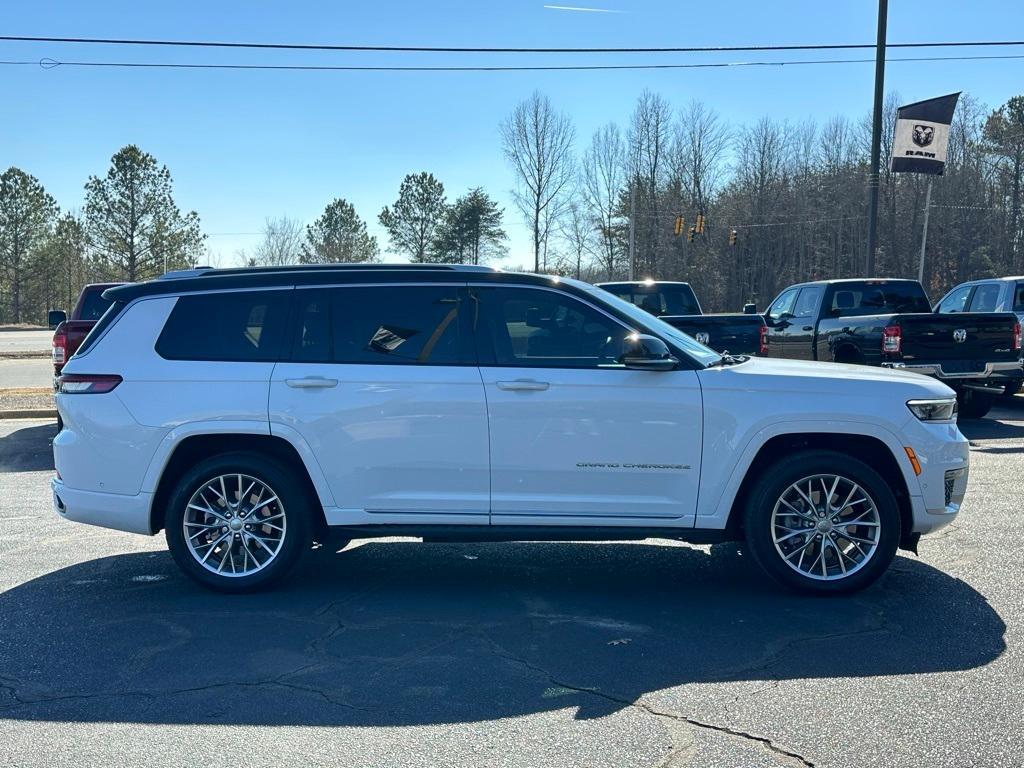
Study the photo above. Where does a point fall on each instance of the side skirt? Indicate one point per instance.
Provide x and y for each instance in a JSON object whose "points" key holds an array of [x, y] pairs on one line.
{"points": [[484, 533]]}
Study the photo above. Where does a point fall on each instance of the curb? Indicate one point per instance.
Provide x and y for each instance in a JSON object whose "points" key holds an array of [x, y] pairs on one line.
{"points": [[29, 413], [30, 355]]}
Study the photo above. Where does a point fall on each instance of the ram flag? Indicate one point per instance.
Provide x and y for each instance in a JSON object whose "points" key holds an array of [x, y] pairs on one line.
{"points": [[922, 135]]}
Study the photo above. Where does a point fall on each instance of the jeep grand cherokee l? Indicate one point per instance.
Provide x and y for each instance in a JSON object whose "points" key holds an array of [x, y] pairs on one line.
{"points": [[248, 412]]}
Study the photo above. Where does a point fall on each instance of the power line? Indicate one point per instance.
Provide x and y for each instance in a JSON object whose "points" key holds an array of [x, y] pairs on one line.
{"points": [[48, 63], [461, 49]]}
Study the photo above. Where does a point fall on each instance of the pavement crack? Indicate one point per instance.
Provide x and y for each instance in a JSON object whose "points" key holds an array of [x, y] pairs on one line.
{"points": [[763, 741]]}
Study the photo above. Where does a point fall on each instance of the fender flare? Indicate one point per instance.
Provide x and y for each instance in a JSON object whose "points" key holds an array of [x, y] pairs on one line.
{"points": [[715, 514]]}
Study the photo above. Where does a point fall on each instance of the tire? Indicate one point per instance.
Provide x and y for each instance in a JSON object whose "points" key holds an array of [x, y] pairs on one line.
{"points": [[266, 536], [848, 566], [1012, 388], [972, 404]]}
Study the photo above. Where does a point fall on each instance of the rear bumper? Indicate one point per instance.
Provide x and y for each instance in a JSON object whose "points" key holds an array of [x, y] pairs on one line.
{"points": [[1010, 369], [108, 510]]}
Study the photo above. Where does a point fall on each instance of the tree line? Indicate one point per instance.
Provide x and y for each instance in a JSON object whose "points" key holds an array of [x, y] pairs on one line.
{"points": [[781, 202]]}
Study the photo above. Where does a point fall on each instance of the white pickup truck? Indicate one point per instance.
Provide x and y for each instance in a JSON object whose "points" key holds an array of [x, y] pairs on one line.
{"points": [[248, 412]]}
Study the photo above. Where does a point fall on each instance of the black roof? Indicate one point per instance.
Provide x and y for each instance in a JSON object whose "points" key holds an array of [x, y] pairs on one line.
{"points": [[207, 279], [851, 280]]}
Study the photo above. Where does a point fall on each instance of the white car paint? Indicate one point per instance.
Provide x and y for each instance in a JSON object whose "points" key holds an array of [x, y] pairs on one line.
{"points": [[454, 445]]}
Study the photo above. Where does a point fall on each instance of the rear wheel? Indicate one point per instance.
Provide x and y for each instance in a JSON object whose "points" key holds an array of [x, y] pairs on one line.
{"points": [[1013, 387], [238, 522], [972, 404], [822, 522]]}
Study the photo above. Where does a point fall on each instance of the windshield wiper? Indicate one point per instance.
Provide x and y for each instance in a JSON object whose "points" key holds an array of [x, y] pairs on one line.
{"points": [[727, 359]]}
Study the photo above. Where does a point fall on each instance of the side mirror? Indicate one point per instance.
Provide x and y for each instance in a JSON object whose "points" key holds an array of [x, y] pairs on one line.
{"points": [[55, 317], [750, 309], [647, 353]]}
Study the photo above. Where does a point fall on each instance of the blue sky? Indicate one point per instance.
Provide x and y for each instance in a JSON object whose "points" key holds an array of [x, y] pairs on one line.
{"points": [[243, 146]]}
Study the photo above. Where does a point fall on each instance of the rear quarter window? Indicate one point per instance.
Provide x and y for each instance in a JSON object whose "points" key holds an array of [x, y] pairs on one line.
{"points": [[244, 326], [1018, 298]]}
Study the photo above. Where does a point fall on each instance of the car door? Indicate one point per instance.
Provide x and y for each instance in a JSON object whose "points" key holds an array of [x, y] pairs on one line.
{"points": [[779, 318], [382, 386], [574, 435], [799, 336]]}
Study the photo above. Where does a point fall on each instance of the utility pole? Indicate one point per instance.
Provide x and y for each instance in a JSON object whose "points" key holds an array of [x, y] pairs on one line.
{"points": [[632, 229], [876, 137]]}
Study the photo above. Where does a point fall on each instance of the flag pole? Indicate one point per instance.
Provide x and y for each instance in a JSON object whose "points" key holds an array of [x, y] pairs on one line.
{"points": [[924, 233]]}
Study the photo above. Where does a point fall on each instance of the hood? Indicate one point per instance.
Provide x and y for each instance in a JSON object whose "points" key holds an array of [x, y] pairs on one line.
{"points": [[830, 378]]}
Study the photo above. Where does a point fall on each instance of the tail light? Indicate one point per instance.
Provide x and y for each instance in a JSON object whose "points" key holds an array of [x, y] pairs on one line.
{"points": [[762, 348], [892, 340], [60, 345], [87, 383], [1016, 336]]}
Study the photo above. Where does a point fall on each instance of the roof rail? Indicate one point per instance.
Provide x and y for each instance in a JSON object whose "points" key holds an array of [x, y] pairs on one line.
{"points": [[206, 271]]}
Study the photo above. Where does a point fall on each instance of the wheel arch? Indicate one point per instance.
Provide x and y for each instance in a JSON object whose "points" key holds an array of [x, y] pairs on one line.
{"points": [[869, 449], [196, 447]]}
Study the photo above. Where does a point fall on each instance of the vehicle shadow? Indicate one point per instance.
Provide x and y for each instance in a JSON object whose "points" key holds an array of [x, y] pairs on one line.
{"points": [[402, 633], [28, 449]]}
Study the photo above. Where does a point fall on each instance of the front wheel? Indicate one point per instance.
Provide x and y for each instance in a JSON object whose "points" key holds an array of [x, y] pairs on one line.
{"points": [[972, 404], [822, 522], [238, 522]]}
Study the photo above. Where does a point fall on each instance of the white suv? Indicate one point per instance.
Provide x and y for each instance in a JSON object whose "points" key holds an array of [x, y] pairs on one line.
{"points": [[248, 412]]}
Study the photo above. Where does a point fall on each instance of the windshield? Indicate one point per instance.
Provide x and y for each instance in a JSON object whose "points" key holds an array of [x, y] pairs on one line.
{"points": [[658, 298], [703, 355]]}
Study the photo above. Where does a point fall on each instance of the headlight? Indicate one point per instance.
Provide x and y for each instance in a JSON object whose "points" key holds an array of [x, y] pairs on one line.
{"points": [[933, 410]]}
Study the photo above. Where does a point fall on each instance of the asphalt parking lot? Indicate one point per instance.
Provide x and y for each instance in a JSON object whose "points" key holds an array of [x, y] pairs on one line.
{"points": [[395, 653]]}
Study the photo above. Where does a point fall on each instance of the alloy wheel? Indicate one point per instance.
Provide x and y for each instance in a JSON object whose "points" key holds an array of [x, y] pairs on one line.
{"points": [[234, 525], [826, 527]]}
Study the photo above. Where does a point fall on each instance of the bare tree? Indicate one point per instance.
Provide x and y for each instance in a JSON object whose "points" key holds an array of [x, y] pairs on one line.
{"points": [[576, 231], [602, 178], [648, 143], [537, 142], [282, 243], [699, 143]]}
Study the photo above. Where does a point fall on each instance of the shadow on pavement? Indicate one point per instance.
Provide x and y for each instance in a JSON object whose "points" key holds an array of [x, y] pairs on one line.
{"points": [[402, 633], [28, 449]]}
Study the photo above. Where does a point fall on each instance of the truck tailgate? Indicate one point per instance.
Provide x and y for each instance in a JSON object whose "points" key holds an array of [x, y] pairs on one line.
{"points": [[737, 334], [963, 342]]}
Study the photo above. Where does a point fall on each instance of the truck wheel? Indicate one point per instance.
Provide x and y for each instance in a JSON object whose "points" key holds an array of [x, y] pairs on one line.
{"points": [[1012, 388], [822, 522], [238, 522], [972, 404]]}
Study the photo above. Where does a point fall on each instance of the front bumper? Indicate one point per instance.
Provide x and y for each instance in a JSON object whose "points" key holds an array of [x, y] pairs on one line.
{"points": [[937, 371], [108, 510], [944, 455]]}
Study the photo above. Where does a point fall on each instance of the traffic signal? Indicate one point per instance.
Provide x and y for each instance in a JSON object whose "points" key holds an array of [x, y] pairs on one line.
{"points": [[680, 225], [732, 236], [689, 235], [699, 228]]}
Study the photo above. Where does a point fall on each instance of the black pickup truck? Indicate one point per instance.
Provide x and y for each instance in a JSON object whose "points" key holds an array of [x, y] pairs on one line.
{"points": [[677, 305], [890, 323]]}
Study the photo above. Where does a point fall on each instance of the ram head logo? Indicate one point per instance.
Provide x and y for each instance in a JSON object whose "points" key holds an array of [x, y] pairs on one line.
{"points": [[923, 135], [960, 335], [702, 337]]}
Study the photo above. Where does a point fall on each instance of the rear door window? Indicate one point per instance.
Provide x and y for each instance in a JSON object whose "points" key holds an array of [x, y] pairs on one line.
{"points": [[238, 326], [398, 325], [986, 298], [807, 305]]}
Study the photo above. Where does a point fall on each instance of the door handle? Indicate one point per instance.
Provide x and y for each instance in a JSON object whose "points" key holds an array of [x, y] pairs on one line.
{"points": [[311, 382], [808, 327], [523, 385]]}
